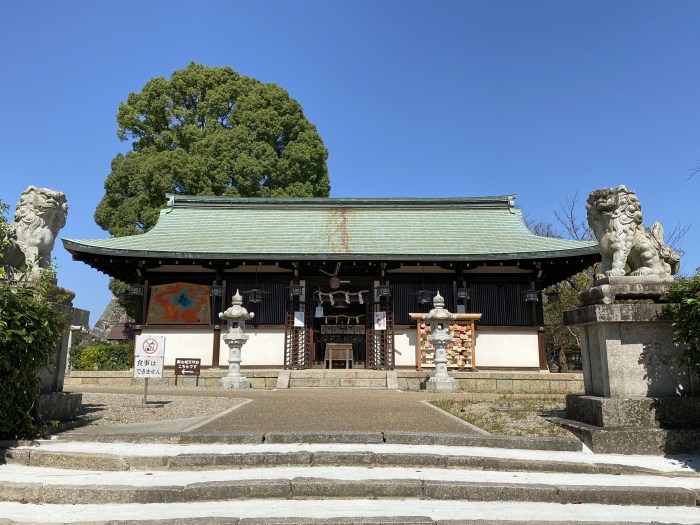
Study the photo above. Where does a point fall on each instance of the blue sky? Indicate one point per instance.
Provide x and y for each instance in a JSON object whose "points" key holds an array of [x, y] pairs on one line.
{"points": [[543, 99]]}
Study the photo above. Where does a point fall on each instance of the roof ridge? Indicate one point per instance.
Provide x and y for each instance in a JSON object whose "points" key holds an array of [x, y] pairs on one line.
{"points": [[497, 201]]}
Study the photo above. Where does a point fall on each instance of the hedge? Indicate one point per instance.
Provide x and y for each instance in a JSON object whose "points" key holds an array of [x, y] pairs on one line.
{"points": [[30, 330]]}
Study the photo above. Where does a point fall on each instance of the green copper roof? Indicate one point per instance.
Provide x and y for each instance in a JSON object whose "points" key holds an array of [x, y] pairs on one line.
{"points": [[220, 227]]}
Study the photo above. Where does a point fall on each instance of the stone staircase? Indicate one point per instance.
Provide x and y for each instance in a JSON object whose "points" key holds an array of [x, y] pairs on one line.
{"points": [[359, 378], [340, 478]]}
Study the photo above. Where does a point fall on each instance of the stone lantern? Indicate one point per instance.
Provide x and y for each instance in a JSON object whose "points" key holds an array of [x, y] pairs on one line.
{"points": [[235, 338], [439, 319]]}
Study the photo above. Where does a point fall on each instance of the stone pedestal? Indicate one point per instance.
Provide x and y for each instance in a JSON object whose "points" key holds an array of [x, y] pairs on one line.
{"points": [[234, 382], [53, 403], [441, 384], [441, 381], [234, 379], [642, 425], [627, 350], [638, 397]]}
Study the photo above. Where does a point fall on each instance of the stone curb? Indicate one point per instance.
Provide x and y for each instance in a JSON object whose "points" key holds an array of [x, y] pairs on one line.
{"points": [[310, 487], [115, 462], [394, 437], [512, 442], [402, 520], [324, 437]]}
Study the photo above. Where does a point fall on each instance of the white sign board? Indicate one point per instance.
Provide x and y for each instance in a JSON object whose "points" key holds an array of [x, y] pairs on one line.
{"points": [[150, 346], [149, 352], [380, 320]]}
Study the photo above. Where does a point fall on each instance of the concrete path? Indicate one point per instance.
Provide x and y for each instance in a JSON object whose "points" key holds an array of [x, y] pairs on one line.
{"points": [[313, 410], [330, 410]]}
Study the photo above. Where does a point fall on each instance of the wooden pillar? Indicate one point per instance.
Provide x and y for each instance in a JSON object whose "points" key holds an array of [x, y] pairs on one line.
{"points": [[542, 344], [216, 347], [142, 307], [216, 344]]}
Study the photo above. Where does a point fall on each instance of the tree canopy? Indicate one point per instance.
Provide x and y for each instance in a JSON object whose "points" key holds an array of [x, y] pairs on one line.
{"points": [[209, 131]]}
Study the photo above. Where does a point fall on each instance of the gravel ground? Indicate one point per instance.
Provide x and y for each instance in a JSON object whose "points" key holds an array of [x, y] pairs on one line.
{"points": [[115, 409], [510, 418]]}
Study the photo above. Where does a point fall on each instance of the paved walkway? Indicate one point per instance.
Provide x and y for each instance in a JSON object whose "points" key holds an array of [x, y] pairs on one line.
{"points": [[313, 410], [335, 410]]}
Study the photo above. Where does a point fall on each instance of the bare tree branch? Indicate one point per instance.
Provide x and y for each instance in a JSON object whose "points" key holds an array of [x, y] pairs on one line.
{"points": [[674, 240], [566, 216], [541, 228]]}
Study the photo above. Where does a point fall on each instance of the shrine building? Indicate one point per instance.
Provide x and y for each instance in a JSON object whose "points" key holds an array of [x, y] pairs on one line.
{"points": [[349, 273]]}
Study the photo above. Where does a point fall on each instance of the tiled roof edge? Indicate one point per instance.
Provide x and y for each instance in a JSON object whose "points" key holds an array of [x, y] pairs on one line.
{"points": [[498, 201]]}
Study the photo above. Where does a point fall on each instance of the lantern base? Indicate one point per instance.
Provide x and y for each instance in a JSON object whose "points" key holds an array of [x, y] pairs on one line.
{"points": [[234, 382], [441, 384]]}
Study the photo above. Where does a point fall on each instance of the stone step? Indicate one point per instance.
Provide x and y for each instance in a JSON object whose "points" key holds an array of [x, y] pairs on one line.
{"points": [[127, 434], [345, 512], [314, 378], [38, 485], [70, 480], [111, 457]]}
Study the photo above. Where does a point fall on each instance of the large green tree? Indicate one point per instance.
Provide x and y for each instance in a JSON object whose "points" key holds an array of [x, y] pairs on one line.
{"points": [[209, 131]]}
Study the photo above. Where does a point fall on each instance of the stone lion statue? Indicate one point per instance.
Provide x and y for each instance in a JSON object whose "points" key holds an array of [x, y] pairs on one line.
{"points": [[627, 246], [39, 216]]}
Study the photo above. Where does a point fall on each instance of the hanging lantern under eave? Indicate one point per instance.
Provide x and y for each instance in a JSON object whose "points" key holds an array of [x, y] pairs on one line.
{"points": [[384, 290], [255, 296], [531, 295], [463, 293], [334, 282]]}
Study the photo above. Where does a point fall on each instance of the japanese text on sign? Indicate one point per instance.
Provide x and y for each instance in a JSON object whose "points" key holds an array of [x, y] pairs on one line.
{"points": [[184, 366], [148, 367]]}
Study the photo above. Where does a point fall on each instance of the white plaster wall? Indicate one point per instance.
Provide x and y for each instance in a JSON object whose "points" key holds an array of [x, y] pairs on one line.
{"points": [[197, 345], [405, 340], [507, 348], [265, 347]]}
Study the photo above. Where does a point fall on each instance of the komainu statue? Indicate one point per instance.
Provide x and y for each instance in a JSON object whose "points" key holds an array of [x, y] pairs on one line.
{"points": [[627, 246], [39, 216]]}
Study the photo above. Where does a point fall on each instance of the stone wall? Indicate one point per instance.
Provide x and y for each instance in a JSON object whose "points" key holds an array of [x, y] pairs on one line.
{"points": [[487, 383]]}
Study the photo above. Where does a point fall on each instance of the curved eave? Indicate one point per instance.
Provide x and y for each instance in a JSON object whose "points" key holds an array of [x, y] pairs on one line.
{"points": [[75, 248]]}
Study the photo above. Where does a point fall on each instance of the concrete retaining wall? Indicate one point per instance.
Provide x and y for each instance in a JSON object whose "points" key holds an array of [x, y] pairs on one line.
{"points": [[473, 382]]}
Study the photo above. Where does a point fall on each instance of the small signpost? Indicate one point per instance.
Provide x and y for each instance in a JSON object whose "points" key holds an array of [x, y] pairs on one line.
{"points": [[187, 367], [149, 352]]}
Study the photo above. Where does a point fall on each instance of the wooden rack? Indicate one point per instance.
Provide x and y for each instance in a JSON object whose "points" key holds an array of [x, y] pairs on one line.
{"points": [[461, 353]]}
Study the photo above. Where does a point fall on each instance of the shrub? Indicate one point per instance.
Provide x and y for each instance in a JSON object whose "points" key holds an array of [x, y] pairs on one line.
{"points": [[684, 294], [103, 356], [30, 330]]}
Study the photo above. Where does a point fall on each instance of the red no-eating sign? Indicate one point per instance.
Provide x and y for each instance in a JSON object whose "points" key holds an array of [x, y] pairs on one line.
{"points": [[150, 346]]}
